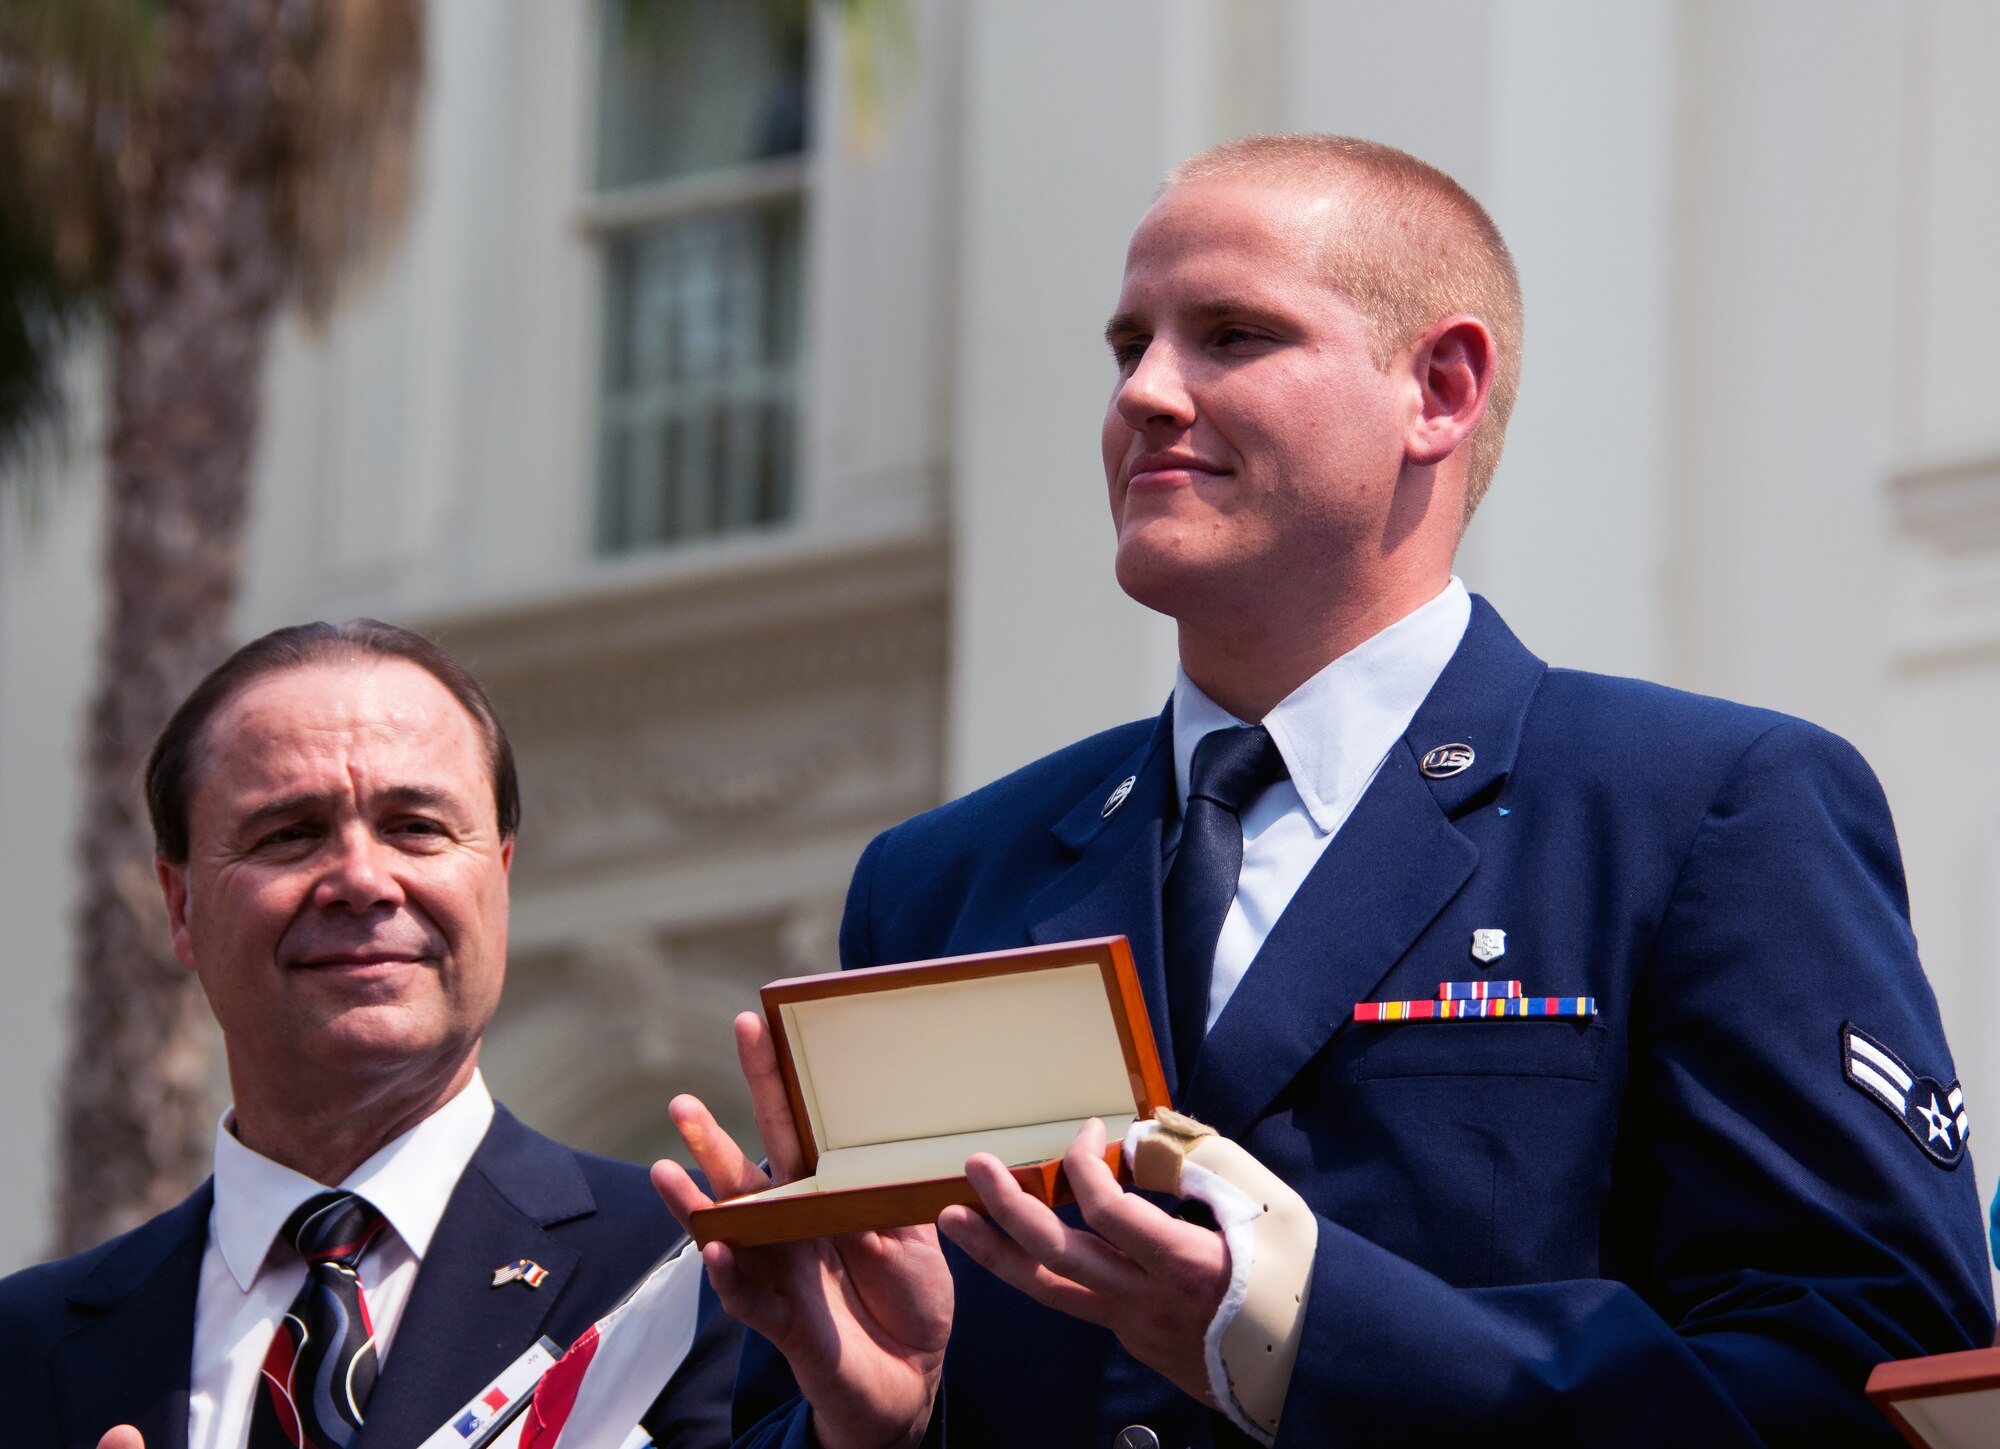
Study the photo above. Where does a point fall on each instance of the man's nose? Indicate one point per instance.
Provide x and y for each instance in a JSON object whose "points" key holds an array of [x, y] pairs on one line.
{"points": [[1155, 390], [360, 872]]}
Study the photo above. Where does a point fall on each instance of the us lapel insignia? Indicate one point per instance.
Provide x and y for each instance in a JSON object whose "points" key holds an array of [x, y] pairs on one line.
{"points": [[1447, 760], [1117, 797], [1931, 1112], [521, 1270], [1489, 944]]}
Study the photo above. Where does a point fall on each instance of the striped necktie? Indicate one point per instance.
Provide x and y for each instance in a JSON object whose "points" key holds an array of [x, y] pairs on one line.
{"points": [[321, 1364]]}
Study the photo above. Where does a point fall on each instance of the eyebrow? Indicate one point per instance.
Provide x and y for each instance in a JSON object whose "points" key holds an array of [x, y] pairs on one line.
{"points": [[1123, 324], [395, 796]]}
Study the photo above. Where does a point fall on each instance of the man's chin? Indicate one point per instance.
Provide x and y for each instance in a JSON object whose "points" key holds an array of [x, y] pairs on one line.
{"points": [[1159, 568], [354, 1055], [383, 1036]]}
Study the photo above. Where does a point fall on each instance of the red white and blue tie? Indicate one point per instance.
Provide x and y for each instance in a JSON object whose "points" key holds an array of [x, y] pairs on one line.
{"points": [[321, 1364]]}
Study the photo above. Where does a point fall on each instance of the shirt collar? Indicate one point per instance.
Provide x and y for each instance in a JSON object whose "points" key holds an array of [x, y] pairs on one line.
{"points": [[1334, 729], [409, 1181]]}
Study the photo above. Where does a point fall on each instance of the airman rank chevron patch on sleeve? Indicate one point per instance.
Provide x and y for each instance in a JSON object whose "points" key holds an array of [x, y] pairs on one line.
{"points": [[1931, 1112]]}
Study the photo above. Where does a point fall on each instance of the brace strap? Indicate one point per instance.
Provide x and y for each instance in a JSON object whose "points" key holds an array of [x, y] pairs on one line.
{"points": [[1253, 1340]]}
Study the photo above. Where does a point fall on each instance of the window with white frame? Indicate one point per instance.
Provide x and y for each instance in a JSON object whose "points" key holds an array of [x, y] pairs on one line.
{"points": [[699, 211]]}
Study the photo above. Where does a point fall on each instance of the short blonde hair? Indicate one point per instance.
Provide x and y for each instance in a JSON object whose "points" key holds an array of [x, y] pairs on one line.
{"points": [[1417, 248]]}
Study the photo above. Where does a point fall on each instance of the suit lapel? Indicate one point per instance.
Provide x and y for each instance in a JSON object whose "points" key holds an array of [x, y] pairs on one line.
{"points": [[129, 1358], [1389, 871], [458, 1331], [1113, 888], [1393, 866]]}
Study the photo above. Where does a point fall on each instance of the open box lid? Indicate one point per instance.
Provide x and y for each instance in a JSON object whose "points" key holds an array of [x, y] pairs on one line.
{"points": [[966, 1044], [1946, 1401]]}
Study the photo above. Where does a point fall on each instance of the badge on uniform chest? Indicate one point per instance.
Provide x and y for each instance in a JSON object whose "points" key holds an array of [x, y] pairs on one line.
{"points": [[1480, 1000]]}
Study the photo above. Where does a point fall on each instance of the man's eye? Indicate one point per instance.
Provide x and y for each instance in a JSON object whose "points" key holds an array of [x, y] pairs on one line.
{"points": [[1127, 354], [1234, 336], [418, 825], [285, 835]]}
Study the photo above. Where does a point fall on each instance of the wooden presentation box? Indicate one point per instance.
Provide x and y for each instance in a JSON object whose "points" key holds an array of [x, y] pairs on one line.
{"points": [[897, 1074], [1948, 1401]]}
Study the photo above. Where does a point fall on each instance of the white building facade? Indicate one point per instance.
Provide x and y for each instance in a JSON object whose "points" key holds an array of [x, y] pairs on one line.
{"points": [[755, 471]]}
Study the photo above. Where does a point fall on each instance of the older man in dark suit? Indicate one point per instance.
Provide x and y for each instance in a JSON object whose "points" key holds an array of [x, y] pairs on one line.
{"points": [[335, 812]]}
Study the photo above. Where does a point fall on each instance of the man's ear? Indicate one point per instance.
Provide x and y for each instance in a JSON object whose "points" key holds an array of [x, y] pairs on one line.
{"points": [[173, 886], [507, 855], [1453, 364]]}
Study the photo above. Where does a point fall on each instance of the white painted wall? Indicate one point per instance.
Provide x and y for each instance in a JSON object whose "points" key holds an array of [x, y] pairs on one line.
{"points": [[48, 634], [1754, 239], [1061, 154], [1571, 542], [1559, 115]]}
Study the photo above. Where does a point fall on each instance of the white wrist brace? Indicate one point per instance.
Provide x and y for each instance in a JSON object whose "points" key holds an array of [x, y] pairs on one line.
{"points": [[1253, 1340]]}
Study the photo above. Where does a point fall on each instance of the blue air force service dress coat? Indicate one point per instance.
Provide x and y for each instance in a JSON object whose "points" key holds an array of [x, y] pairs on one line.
{"points": [[1695, 1218]]}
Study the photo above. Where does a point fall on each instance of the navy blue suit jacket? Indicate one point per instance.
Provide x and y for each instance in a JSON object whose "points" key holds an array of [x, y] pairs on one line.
{"points": [[1678, 1223], [106, 1337]]}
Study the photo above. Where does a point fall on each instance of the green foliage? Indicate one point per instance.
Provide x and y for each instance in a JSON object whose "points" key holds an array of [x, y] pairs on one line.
{"points": [[76, 83], [75, 79], [73, 74], [39, 309], [881, 57]]}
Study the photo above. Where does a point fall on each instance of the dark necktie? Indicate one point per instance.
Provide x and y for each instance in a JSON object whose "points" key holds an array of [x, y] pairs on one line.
{"points": [[1231, 768], [321, 1363]]}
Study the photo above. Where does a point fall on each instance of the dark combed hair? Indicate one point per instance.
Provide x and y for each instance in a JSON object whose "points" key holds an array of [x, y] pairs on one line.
{"points": [[176, 756]]}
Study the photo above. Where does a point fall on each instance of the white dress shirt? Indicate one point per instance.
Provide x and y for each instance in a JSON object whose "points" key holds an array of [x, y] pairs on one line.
{"points": [[250, 1274], [1334, 731]]}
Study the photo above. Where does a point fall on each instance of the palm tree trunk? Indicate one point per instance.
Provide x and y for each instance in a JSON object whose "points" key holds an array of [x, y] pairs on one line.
{"points": [[199, 271]]}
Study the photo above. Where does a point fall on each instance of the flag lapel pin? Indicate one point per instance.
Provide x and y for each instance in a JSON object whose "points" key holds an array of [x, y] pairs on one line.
{"points": [[521, 1270]]}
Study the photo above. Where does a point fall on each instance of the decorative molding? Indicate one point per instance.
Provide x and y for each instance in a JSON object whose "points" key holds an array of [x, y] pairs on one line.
{"points": [[703, 754], [656, 201], [1945, 584], [714, 783], [1953, 506], [799, 693], [814, 652], [593, 1041], [809, 938], [706, 592]]}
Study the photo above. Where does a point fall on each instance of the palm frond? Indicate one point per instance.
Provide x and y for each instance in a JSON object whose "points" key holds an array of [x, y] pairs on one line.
{"points": [[348, 94], [73, 79], [40, 308]]}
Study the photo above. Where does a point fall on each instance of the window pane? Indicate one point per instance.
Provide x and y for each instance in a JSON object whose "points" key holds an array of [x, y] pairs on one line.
{"points": [[701, 375], [695, 85]]}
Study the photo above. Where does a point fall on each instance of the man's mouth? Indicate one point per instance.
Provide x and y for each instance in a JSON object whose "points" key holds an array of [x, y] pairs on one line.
{"points": [[356, 960], [1169, 470]]}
